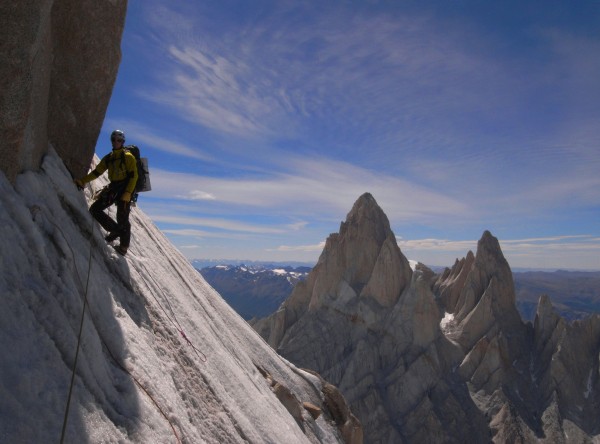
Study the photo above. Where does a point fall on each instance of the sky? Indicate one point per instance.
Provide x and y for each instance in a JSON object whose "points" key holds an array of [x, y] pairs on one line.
{"points": [[264, 122]]}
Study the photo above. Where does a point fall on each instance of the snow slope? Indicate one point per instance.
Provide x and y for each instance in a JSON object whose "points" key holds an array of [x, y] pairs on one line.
{"points": [[138, 379]]}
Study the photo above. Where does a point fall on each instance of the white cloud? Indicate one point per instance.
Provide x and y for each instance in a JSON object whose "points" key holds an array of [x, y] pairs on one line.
{"points": [[542, 243], [303, 248], [569, 251], [194, 234], [313, 187], [200, 195], [219, 224], [582, 237], [438, 245]]}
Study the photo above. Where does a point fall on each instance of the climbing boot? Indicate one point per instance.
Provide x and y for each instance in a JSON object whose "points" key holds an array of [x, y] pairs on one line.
{"points": [[111, 236], [121, 250]]}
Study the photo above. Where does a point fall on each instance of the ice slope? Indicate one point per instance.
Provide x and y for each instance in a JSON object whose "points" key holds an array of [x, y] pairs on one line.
{"points": [[138, 379]]}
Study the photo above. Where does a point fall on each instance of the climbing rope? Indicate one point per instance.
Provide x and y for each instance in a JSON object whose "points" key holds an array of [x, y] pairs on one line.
{"points": [[85, 301], [34, 210]]}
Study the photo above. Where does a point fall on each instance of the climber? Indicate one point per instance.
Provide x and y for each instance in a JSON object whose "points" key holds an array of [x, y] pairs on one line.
{"points": [[123, 175]]}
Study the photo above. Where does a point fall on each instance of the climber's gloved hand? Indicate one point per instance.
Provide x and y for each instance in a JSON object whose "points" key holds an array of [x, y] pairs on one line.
{"points": [[126, 196], [79, 184]]}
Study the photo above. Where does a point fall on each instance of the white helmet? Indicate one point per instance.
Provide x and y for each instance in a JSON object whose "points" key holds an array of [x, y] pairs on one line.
{"points": [[117, 135]]}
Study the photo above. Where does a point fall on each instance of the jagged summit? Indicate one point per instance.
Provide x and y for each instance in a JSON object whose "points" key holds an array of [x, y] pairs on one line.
{"points": [[368, 218], [489, 276], [462, 287], [362, 255], [361, 273], [365, 203], [489, 254], [488, 248]]}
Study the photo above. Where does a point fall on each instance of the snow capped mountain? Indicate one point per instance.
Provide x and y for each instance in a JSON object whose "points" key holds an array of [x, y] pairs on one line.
{"points": [[204, 263], [161, 357], [254, 290]]}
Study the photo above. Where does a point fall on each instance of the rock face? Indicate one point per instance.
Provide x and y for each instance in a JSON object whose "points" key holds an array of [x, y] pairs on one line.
{"points": [[60, 61], [437, 358]]}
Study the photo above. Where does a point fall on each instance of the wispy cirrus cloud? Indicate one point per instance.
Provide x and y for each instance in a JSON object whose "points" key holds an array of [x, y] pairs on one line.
{"points": [[437, 245], [208, 89], [371, 72], [371, 81], [203, 235]]}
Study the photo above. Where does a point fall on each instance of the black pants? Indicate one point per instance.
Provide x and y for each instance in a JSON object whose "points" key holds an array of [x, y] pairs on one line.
{"points": [[122, 226]]}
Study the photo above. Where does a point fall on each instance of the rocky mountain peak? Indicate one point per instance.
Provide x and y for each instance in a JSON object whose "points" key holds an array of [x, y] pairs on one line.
{"points": [[488, 275], [413, 373], [360, 273], [489, 255], [366, 219], [362, 260], [450, 283]]}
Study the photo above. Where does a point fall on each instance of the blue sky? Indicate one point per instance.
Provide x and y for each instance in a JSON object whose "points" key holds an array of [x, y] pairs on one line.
{"points": [[264, 121]]}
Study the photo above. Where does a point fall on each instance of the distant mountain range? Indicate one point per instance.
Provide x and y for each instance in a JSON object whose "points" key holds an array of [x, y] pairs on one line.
{"points": [[257, 289], [574, 294], [204, 263]]}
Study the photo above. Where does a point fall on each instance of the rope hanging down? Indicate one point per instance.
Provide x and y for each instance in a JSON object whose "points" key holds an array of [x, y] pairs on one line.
{"points": [[34, 210], [85, 301]]}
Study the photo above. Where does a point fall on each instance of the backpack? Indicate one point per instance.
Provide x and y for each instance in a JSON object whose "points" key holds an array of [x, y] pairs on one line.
{"points": [[143, 182]]}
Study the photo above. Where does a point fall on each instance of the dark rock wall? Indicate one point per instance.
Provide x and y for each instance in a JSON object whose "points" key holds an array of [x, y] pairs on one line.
{"points": [[59, 64]]}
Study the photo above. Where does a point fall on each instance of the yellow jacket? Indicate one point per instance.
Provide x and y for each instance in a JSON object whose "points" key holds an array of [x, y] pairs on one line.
{"points": [[121, 165]]}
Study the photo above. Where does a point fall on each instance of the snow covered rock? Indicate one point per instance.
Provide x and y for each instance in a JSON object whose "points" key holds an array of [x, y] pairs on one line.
{"points": [[162, 358]]}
